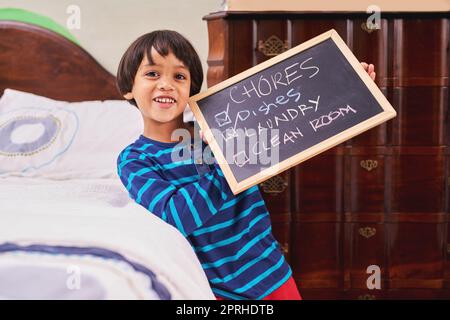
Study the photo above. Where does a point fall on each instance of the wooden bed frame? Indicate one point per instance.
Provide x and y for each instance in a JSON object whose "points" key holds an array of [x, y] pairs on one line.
{"points": [[40, 61]]}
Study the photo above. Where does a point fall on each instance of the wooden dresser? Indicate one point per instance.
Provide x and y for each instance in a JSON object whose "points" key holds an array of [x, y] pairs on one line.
{"points": [[382, 198]]}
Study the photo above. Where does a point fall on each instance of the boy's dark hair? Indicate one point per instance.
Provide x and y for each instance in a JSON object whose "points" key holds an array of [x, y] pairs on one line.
{"points": [[164, 41]]}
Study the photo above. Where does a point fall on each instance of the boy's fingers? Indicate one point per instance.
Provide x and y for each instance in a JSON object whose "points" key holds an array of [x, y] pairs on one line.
{"points": [[373, 75], [371, 68], [364, 65]]}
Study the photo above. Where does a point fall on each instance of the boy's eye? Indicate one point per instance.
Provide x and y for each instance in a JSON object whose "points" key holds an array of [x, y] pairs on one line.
{"points": [[180, 76], [152, 74]]}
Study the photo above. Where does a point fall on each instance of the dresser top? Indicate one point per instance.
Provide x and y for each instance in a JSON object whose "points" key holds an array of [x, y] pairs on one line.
{"points": [[336, 6]]}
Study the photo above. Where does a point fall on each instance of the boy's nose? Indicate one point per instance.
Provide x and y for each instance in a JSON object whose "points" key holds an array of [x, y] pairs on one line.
{"points": [[164, 85]]}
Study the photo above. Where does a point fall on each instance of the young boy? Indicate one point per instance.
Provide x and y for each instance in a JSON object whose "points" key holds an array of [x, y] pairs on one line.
{"points": [[230, 234]]}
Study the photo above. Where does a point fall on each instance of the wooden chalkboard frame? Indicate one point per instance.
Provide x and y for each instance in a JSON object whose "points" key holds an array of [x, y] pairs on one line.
{"points": [[237, 187]]}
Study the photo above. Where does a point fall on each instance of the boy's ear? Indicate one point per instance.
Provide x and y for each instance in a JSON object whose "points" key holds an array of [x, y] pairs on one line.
{"points": [[128, 95]]}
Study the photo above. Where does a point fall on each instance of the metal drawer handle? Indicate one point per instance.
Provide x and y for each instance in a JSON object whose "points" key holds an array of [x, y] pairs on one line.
{"points": [[367, 232], [275, 184], [272, 46], [369, 165]]}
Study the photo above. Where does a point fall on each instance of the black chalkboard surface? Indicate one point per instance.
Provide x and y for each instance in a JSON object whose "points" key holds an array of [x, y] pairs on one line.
{"points": [[288, 109]]}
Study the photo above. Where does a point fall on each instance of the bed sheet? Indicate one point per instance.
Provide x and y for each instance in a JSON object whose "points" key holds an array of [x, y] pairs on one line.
{"points": [[92, 225]]}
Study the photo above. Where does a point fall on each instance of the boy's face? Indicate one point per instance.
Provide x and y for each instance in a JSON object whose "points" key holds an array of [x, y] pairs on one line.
{"points": [[161, 90]]}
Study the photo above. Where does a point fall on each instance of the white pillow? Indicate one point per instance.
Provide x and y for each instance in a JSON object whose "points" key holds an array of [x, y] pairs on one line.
{"points": [[42, 137]]}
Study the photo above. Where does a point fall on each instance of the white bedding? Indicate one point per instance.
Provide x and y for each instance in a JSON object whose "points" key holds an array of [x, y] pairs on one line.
{"points": [[94, 213]]}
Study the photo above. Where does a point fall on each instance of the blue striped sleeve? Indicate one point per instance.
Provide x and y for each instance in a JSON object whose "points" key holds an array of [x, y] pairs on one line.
{"points": [[185, 207]]}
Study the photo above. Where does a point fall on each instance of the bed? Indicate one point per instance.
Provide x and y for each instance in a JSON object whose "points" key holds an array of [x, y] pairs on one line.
{"points": [[68, 229]]}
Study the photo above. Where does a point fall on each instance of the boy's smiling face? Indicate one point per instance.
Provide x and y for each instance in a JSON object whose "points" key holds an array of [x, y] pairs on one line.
{"points": [[161, 90]]}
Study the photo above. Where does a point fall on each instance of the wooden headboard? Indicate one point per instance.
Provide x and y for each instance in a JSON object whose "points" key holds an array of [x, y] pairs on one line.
{"points": [[37, 60]]}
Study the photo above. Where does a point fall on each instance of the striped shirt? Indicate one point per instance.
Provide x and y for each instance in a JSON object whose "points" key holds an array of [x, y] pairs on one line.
{"points": [[230, 234]]}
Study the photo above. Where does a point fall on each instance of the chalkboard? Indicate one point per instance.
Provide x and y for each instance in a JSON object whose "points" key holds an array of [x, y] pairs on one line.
{"points": [[288, 109]]}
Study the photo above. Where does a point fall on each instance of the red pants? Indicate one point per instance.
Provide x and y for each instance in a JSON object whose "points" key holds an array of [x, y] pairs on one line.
{"points": [[288, 291]]}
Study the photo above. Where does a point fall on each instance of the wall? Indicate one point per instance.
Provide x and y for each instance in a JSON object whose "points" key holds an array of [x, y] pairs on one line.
{"points": [[109, 26]]}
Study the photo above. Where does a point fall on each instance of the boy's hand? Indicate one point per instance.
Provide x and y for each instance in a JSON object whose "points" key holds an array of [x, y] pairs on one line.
{"points": [[370, 69]]}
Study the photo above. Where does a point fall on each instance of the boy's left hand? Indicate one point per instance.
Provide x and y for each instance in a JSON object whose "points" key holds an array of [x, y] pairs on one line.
{"points": [[370, 69]]}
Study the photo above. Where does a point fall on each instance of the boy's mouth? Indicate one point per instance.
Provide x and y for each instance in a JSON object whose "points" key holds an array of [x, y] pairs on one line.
{"points": [[165, 101]]}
